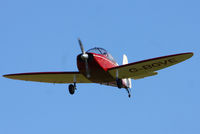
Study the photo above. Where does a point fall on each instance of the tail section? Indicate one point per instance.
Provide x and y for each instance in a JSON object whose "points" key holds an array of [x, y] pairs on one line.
{"points": [[125, 59], [127, 80]]}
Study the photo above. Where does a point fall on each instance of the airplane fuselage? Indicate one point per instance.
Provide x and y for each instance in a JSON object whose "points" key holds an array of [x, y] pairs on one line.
{"points": [[98, 65]]}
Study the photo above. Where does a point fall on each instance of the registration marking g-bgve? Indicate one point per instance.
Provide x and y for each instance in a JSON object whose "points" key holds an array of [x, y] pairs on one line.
{"points": [[154, 65]]}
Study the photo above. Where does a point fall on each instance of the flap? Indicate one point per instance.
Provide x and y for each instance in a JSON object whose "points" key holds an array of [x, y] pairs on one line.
{"points": [[144, 75]]}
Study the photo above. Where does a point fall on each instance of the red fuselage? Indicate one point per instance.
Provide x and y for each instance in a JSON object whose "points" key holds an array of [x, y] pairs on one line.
{"points": [[98, 65]]}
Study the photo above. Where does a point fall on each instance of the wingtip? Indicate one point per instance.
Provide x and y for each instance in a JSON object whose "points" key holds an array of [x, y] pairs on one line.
{"points": [[191, 54], [6, 75]]}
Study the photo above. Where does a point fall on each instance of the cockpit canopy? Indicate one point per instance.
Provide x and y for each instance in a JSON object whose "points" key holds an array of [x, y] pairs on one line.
{"points": [[101, 51], [97, 50]]}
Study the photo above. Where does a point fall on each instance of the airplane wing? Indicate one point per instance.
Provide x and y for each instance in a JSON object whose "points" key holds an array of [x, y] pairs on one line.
{"points": [[148, 67], [50, 77]]}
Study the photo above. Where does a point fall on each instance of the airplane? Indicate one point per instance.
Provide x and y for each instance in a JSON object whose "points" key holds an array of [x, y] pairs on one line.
{"points": [[98, 66]]}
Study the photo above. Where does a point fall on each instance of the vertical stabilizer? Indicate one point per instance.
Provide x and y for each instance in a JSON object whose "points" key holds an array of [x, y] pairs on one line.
{"points": [[125, 59], [127, 80]]}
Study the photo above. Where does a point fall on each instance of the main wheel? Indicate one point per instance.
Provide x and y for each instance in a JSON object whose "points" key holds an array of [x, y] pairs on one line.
{"points": [[119, 83], [71, 89]]}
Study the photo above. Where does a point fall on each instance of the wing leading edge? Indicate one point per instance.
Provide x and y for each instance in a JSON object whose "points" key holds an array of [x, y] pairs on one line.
{"points": [[148, 67], [50, 77]]}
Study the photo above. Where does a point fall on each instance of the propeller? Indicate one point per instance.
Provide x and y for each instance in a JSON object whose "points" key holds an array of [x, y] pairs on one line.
{"points": [[84, 57]]}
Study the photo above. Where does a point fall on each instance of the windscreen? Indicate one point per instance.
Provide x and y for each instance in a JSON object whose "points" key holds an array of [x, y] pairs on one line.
{"points": [[102, 52], [97, 50]]}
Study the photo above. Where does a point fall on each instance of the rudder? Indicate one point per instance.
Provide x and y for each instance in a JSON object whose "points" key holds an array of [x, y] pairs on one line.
{"points": [[127, 80]]}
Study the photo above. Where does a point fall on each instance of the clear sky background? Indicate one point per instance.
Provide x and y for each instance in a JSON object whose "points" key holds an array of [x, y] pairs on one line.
{"points": [[41, 35]]}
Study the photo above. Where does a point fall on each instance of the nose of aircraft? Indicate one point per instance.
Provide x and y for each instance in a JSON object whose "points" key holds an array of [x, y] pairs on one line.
{"points": [[84, 63], [84, 57]]}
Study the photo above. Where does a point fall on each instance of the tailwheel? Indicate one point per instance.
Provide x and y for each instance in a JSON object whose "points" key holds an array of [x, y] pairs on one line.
{"points": [[72, 89], [129, 94]]}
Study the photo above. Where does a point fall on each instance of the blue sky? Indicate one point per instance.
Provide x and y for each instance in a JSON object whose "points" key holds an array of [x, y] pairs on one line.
{"points": [[41, 35]]}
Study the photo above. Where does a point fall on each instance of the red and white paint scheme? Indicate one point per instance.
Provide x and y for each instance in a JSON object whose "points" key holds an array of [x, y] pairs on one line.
{"points": [[98, 66]]}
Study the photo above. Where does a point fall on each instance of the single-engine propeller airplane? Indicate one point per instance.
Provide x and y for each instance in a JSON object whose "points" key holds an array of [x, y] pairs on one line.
{"points": [[98, 66]]}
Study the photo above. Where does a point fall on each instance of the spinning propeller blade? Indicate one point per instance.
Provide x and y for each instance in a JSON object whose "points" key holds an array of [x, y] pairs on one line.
{"points": [[84, 57], [81, 46]]}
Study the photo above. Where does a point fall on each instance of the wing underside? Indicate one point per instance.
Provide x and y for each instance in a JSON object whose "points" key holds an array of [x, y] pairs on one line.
{"points": [[50, 77], [136, 70], [148, 67]]}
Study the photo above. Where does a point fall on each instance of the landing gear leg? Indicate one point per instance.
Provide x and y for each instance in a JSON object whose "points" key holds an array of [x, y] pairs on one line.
{"points": [[72, 88], [128, 90], [119, 83]]}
